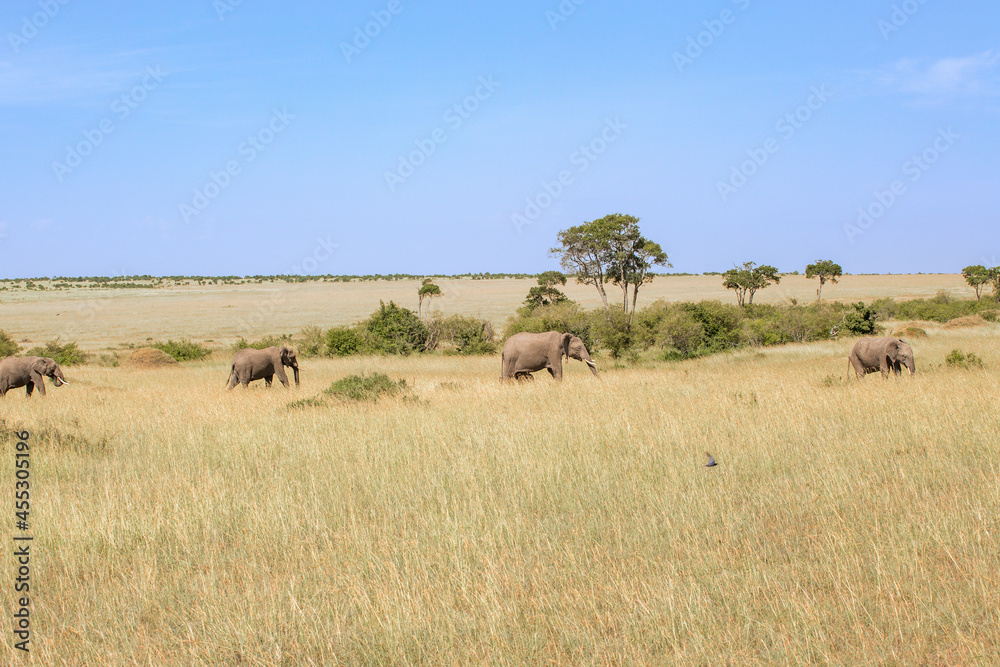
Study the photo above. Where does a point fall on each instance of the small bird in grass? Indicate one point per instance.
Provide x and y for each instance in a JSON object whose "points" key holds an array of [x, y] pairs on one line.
{"points": [[711, 461]]}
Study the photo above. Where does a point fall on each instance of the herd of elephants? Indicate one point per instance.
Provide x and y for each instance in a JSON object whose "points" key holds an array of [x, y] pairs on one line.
{"points": [[523, 354]]}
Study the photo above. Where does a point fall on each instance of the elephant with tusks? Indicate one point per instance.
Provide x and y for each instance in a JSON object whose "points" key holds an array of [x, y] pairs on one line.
{"points": [[525, 353], [29, 372]]}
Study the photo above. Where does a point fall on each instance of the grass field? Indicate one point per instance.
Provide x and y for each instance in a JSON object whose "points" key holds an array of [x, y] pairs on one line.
{"points": [[472, 522]]}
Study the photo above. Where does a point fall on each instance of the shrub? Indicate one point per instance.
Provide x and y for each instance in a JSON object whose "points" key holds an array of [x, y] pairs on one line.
{"points": [[361, 388], [958, 359], [265, 342], [182, 350], [395, 330], [342, 342], [610, 330], [64, 355], [8, 348], [312, 343], [860, 321], [466, 335]]}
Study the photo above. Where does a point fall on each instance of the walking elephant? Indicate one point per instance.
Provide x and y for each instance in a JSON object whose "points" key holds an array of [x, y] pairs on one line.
{"points": [[525, 353], [29, 372], [881, 354], [250, 364]]}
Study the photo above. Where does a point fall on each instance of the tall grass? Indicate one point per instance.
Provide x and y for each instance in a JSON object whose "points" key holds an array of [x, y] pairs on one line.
{"points": [[847, 522]]}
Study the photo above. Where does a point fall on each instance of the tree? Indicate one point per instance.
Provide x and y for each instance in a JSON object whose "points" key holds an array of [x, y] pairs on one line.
{"points": [[610, 249], [584, 252], [546, 291], [747, 280], [632, 256], [428, 290], [978, 276], [825, 270]]}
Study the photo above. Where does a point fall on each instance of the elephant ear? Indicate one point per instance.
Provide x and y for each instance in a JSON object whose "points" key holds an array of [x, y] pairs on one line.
{"points": [[40, 366], [567, 337], [892, 348]]}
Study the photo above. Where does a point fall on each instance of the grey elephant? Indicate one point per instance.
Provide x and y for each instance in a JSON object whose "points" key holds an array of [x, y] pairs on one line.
{"points": [[29, 372], [250, 364], [525, 353], [881, 354]]}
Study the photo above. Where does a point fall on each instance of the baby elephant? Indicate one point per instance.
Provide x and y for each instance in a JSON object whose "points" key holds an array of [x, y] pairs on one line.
{"points": [[250, 364], [29, 372], [881, 354]]}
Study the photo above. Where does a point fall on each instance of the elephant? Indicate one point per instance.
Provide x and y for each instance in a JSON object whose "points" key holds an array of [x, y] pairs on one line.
{"points": [[250, 364], [525, 353], [881, 354], [29, 372]]}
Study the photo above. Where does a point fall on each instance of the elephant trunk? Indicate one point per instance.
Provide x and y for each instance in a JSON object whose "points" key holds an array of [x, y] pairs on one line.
{"points": [[593, 366], [58, 379], [911, 366], [295, 370]]}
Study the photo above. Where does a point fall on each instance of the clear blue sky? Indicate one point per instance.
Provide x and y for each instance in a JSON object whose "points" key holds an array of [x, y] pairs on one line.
{"points": [[115, 113]]}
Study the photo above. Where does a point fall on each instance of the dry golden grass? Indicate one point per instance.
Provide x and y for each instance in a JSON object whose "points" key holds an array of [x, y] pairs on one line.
{"points": [[474, 522], [97, 319]]}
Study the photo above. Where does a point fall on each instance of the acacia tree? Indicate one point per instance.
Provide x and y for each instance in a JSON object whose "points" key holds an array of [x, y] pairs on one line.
{"points": [[978, 276], [826, 271], [749, 278], [583, 252], [546, 292], [610, 249], [428, 290]]}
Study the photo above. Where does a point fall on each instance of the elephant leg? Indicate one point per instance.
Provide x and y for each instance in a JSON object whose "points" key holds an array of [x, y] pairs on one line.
{"points": [[30, 387], [267, 380], [282, 377], [233, 380]]}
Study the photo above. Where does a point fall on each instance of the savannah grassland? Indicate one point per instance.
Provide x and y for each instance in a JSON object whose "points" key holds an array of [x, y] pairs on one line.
{"points": [[472, 522]]}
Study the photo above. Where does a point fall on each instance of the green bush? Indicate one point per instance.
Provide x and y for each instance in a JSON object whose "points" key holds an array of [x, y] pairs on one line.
{"points": [[958, 359], [8, 347], [610, 330], [395, 330], [466, 335], [183, 350], [342, 342], [860, 321], [361, 388], [312, 344], [64, 355]]}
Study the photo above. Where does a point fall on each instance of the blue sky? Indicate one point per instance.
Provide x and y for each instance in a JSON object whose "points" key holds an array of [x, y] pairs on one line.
{"points": [[242, 137]]}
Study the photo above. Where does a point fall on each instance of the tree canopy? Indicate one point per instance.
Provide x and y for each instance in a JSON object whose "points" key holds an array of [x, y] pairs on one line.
{"points": [[978, 276], [428, 290], [610, 249], [826, 271], [546, 292], [749, 278]]}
